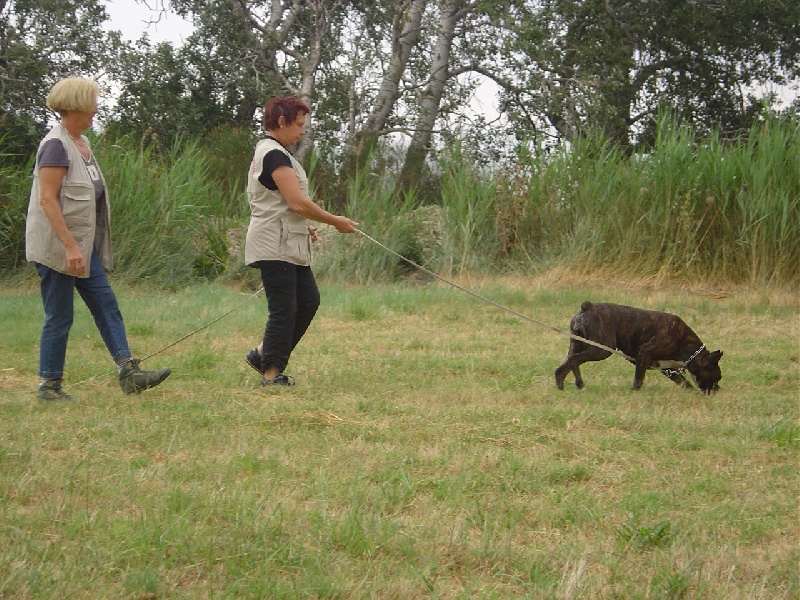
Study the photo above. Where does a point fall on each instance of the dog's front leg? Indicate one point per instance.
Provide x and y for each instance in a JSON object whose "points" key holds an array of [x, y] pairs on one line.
{"points": [[643, 362], [677, 377]]}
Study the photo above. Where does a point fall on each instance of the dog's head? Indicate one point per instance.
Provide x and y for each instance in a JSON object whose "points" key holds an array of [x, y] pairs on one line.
{"points": [[706, 372]]}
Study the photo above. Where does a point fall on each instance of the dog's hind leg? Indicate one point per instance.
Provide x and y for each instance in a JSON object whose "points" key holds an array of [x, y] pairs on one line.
{"points": [[576, 371], [568, 365], [579, 351], [575, 347], [574, 361]]}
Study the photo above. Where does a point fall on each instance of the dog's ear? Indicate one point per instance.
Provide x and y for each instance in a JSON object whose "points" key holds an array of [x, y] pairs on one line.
{"points": [[715, 356]]}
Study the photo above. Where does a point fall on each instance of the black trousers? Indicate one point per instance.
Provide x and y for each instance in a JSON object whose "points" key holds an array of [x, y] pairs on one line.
{"points": [[293, 300]]}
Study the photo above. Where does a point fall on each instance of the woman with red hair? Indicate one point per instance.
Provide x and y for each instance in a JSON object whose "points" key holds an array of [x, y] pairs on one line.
{"points": [[279, 237]]}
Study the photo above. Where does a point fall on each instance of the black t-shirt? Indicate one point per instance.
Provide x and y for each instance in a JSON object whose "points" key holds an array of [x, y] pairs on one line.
{"points": [[272, 160]]}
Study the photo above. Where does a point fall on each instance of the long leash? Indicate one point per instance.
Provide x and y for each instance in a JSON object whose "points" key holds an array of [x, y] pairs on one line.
{"points": [[497, 304], [209, 324], [179, 340]]}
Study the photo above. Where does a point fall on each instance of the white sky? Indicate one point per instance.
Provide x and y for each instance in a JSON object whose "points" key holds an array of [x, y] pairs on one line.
{"points": [[134, 18]]}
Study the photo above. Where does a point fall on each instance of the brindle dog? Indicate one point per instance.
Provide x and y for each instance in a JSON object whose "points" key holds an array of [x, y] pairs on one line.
{"points": [[655, 340]]}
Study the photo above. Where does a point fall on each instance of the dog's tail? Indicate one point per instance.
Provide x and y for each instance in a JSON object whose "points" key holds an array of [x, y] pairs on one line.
{"points": [[586, 306]]}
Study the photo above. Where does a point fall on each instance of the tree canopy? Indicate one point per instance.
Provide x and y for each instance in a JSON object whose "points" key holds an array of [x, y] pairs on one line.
{"points": [[402, 72]]}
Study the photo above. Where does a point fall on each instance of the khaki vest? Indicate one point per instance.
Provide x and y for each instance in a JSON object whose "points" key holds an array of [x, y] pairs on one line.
{"points": [[275, 232], [77, 200]]}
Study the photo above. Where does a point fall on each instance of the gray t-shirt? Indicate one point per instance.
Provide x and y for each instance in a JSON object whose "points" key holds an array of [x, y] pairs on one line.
{"points": [[53, 154]]}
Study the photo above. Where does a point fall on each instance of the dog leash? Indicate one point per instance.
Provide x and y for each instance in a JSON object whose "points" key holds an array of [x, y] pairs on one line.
{"points": [[497, 304], [179, 340], [416, 266]]}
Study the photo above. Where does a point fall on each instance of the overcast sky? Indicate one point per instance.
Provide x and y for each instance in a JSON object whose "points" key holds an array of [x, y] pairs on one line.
{"points": [[133, 19]]}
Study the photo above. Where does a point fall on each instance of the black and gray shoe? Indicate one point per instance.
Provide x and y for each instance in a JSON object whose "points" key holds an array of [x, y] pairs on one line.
{"points": [[253, 358], [133, 380], [280, 380], [50, 390]]}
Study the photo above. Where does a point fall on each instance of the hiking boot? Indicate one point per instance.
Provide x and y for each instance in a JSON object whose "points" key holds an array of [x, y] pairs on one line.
{"points": [[253, 358], [281, 380], [50, 390], [134, 380]]}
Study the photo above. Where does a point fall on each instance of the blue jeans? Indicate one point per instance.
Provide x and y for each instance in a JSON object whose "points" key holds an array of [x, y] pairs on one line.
{"points": [[292, 299], [57, 297]]}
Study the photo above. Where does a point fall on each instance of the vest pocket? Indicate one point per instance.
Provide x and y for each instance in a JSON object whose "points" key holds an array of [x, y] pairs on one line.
{"points": [[295, 242], [78, 209]]}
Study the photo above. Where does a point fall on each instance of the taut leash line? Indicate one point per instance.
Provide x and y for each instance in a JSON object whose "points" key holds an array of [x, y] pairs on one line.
{"points": [[497, 304], [178, 341], [209, 324]]}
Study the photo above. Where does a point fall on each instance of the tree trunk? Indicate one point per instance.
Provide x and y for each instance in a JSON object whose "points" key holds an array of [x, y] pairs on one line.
{"points": [[405, 34], [431, 98], [276, 32]]}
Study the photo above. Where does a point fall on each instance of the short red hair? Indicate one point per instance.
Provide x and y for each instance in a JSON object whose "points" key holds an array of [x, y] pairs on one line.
{"points": [[287, 107]]}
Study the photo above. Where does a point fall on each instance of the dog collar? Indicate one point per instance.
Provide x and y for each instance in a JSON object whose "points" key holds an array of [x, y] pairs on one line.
{"points": [[693, 356]]}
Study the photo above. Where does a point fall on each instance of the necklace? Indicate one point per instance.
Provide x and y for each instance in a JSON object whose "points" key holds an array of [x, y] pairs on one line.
{"points": [[82, 147]]}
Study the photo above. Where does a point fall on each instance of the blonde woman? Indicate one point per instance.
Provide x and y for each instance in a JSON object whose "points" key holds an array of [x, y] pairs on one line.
{"points": [[67, 237]]}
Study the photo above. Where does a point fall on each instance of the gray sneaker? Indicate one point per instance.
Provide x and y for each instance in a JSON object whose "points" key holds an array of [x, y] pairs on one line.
{"points": [[50, 390], [134, 380]]}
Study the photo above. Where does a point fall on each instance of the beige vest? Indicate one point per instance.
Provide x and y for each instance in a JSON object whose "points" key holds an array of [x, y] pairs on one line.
{"points": [[275, 232], [77, 200]]}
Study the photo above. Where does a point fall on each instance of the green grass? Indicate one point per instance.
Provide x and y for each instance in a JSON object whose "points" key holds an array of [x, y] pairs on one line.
{"points": [[425, 452]]}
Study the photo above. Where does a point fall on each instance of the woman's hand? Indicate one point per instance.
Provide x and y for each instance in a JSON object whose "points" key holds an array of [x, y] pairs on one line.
{"points": [[75, 262], [289, 187], [344, 225]]}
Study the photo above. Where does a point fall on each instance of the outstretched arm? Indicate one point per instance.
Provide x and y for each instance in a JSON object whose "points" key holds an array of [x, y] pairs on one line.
{"points": [[286, 180]]}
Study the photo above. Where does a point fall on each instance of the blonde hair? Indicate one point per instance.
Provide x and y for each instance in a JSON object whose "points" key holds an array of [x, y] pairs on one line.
{"points": [[73, 93]]}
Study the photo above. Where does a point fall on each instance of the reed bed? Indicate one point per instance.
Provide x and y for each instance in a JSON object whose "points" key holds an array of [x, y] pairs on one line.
{"points": [[711, 210]]}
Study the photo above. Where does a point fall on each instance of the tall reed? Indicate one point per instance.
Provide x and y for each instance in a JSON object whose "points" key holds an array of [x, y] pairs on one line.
{"points": [[384, 216], [710, 210], [469, 201], [696, 210], [168, 217], [15, 185]]}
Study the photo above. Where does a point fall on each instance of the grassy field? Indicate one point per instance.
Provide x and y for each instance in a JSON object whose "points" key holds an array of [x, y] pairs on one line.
{"points": [[425, 452]]}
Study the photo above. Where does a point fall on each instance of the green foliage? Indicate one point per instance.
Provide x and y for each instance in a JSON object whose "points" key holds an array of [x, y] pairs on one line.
{"points": [[42, 41], [785, 433], [15, 186], [713, 210], [373, 203], [646, 536], [580, 66], [200, 89], [710, 210], [228, 152], [168, 216]]}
